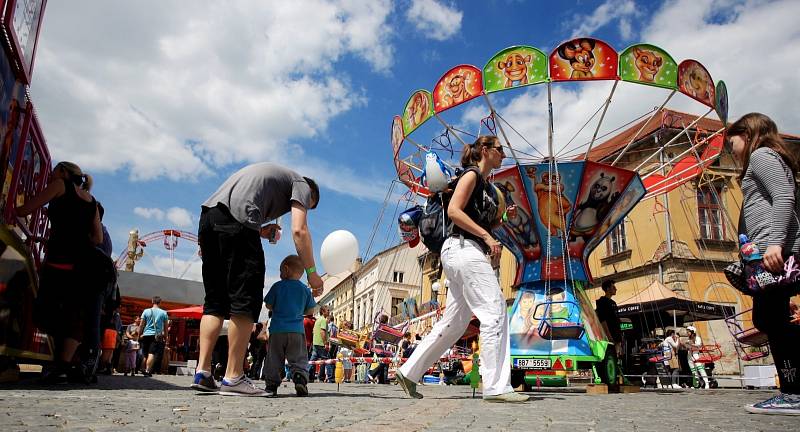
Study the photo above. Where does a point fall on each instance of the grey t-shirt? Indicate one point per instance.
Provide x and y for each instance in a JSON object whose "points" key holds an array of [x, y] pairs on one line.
{"points": [[261, 192]]}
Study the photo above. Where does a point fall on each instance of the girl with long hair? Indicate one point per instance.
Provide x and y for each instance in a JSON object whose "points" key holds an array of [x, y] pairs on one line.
{"points": [[769, 217]]}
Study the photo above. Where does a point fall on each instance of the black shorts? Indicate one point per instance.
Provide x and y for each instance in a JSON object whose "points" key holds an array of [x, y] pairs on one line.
{"points": [[233, 265], [151, 346]]}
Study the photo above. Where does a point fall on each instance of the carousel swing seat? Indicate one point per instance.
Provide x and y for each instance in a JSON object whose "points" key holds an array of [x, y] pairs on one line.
{"points": [[348, 338], [708, 353], [559, 327], [751, 343], [753, 355], [752, 337], [388, 334]]}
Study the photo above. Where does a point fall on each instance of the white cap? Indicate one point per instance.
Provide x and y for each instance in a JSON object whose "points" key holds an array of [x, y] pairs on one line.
{"points": [[691, 329]]}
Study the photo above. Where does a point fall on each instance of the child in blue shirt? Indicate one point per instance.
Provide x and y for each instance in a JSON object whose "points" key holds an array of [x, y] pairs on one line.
{"points": [[289, 300]]}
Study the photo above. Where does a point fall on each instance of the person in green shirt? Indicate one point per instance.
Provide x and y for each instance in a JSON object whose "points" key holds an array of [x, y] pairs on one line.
{"points": [[320, 346]]}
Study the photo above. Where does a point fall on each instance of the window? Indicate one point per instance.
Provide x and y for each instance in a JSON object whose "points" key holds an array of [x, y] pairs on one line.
{"points": [[397, 306], [397, 277], [709, 212], [616, 242]]}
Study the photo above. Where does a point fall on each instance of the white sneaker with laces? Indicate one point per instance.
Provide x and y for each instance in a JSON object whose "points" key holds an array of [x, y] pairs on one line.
{"points": [[241, 386]]}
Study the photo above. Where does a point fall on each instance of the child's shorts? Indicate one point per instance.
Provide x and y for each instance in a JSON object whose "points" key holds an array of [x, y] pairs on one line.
{"points": [[109, 339]]}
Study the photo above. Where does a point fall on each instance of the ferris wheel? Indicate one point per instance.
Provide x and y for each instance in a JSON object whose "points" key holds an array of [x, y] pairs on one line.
{"points": [[170, 239]]}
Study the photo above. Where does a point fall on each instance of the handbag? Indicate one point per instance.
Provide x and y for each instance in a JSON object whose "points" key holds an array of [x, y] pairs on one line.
{"points": [[751, 278]]}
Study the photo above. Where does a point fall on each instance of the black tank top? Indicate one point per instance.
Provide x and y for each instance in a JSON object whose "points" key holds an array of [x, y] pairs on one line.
{"points": [[71, 224], [481, 208]]}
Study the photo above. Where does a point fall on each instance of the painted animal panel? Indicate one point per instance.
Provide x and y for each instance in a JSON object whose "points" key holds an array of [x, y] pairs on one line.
{"points": [[695, 81], [519, 223], [579, 53], [648, 63], [594, 209], [515, 69], [418, 109], [553, 203]]}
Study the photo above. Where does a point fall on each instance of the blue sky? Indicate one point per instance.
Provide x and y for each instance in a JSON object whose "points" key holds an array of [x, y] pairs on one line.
{"points": [[161, 102]]}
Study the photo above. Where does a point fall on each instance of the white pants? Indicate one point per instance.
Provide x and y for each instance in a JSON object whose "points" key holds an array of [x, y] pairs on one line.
{"points": [[473, 290]]}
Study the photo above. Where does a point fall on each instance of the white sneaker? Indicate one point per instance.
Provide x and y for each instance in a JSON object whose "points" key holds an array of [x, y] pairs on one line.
{"points": [[512, 397], [241, 386]]}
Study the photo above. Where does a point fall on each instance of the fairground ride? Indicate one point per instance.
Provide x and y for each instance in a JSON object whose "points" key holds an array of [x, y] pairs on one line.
{"points": [[566, 203]]}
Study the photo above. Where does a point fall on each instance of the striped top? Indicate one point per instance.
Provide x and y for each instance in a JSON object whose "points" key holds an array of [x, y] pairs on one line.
{"points": [[769, 210]]}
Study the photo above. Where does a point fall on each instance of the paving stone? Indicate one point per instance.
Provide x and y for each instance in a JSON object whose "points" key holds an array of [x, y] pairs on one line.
{"points": [[164, 403]]}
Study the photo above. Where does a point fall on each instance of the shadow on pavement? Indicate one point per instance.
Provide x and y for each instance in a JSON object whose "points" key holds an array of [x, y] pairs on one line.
{"points": [[104, 382]]}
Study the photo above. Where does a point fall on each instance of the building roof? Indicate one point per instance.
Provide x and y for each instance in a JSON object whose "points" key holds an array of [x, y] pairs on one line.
{"points": [[675, 119]]}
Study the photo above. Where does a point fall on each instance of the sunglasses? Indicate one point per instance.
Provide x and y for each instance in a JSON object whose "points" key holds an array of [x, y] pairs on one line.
{"points": [[499, 149]]}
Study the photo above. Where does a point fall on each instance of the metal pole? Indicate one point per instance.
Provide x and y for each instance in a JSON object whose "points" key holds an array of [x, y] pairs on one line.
{"points": [[674, 320], [675, 158], [447, 126], [550, 121], [619, 156], [666, 203], [602, 116], [502, 131]]}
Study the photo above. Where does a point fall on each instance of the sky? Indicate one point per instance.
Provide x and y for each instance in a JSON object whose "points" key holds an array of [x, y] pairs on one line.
{"points": [[161, 103]]}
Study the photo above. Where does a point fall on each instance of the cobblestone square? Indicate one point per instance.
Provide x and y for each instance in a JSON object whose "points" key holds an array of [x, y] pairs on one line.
{"points": [[164, 403]]}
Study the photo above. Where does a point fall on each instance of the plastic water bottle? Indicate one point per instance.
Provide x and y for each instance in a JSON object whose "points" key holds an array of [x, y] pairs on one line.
{"points": [[748, 249]]}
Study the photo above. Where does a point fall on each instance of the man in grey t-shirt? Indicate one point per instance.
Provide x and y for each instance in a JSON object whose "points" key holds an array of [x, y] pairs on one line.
{"points": [[232, 224]]}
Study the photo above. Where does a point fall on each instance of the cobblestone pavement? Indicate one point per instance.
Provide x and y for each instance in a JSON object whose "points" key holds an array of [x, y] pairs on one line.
{"points": [[164, 403]]}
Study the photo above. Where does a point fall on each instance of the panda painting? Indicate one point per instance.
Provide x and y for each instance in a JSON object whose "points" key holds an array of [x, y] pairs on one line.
{"points": [[594, 209]]}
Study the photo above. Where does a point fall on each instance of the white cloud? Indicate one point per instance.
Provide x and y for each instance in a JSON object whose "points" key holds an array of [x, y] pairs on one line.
{"points": [[611, 10], [434, 19], [179, 217], [149, 213], [736, 41], [183, 92]]}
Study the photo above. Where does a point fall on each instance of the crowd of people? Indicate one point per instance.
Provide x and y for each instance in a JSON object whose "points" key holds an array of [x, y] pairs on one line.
{"points": [[77, 298]]}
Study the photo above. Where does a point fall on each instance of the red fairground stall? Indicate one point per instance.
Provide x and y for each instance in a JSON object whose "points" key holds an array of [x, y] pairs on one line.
{"points": [[24, 168]]}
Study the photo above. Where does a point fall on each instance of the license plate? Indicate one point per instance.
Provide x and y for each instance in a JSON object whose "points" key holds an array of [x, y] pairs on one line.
{"points": [[535, 363]]}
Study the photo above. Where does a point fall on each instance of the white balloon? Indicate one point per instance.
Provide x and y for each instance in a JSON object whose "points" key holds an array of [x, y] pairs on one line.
{"points": [[338, 252]]}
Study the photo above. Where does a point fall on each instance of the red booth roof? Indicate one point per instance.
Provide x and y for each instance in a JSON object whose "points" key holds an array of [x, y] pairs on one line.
{"points": [[192, 312]]}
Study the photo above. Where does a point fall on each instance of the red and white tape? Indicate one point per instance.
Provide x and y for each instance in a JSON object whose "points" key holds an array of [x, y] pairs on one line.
{"points": [[368, 360]]}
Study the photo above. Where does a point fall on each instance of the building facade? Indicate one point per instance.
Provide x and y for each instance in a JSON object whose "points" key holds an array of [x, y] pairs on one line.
{"points": [[381, 285]]}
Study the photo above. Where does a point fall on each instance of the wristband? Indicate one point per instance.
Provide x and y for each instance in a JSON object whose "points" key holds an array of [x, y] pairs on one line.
{"points": [[310, 270]]}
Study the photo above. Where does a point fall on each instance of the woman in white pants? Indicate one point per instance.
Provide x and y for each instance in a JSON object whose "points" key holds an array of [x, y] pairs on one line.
{"points": [[474, 288]]}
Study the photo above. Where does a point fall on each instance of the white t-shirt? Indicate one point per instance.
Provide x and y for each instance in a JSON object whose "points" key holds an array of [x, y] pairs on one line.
{"points": [[261, 192]]}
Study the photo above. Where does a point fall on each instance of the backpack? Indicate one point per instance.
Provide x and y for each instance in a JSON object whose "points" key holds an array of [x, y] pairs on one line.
{"points": [[434, 226]]}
